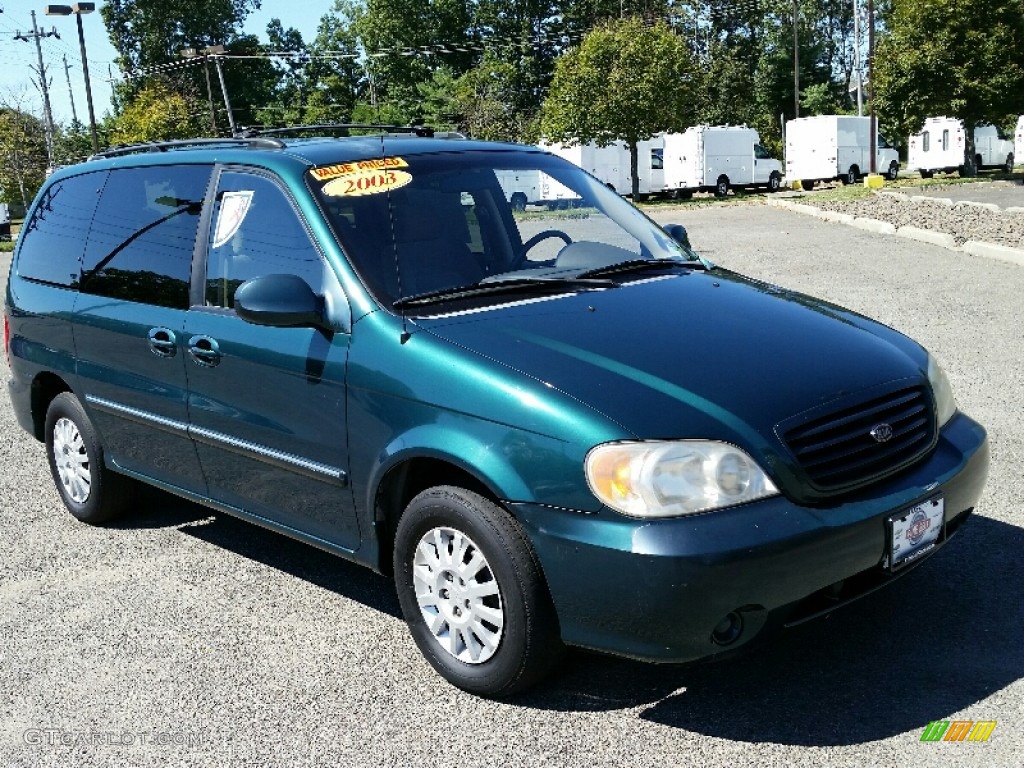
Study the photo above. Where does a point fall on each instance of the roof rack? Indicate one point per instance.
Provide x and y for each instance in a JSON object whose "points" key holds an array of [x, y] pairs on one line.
{"points": [[422, 131], [163, 146]]}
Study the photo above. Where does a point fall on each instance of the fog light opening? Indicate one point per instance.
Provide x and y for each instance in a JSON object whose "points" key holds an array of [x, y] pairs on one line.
{"points": [[728, 630]]}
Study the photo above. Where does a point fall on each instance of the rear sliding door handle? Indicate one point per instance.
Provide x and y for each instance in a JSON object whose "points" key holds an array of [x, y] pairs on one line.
{"points": [[204, 351], [162, 342]]}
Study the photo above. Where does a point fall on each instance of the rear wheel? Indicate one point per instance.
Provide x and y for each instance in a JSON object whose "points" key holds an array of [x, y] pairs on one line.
{"points": [[894, 171], [851, 175], [722, 186], [1009, 163], [807, 185], [774, 182], [518, 201], [472, 593], [90, 491], [927, 174]]}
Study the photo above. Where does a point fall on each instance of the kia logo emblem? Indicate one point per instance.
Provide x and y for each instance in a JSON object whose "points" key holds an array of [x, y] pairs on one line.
{"points": [[881, 432]]}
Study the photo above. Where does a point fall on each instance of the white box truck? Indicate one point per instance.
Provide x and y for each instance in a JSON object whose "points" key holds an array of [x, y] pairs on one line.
{"points": [[830, 147], [1018, 139], [524, 188], [717, 158], [610, 164], [939, 147]]}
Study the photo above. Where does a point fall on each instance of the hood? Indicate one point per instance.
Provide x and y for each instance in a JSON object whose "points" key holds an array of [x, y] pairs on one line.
{"points": [[692, 355]]}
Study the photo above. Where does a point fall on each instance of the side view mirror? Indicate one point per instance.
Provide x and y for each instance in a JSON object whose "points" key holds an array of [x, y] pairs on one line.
{"points": [[678, 233], [281, 301]]}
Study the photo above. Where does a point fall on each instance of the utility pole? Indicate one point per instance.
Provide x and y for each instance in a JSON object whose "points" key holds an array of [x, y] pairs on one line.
{"points": [[36, 34], [856, 56], [796, 63], [71, 93], [871, 82]]}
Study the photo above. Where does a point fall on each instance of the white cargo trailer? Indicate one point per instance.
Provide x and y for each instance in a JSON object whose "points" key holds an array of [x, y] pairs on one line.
{"points": [[939, 147], [524, 188], [717, 158], [830, 147], [610, 164], [1018, 139]]}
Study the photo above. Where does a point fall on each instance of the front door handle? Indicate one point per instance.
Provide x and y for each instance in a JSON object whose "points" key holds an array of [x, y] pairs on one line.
{"points": [[204, 351], [162, 342]]}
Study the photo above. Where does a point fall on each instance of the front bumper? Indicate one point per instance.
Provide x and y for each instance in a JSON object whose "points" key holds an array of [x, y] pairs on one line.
{"points": [[657, 589]]}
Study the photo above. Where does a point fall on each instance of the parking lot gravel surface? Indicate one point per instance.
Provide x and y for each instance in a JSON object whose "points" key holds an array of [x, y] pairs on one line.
{"points": [[182, 637], [961, 220], [1005, 194]]}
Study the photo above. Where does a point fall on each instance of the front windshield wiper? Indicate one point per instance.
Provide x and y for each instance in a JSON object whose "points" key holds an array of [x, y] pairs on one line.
{"points": [[636, 265], [580, 283]]}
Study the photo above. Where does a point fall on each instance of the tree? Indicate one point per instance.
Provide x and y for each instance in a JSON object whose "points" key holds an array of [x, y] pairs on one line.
{"points": [[158, 113], [939, 59], [23, 156], [626, 81]]}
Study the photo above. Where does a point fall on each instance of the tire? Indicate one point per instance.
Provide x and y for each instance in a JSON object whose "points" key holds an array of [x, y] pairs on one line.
{"points": [[518, 201], [807, 185], [894, 171], [927, 174], [722, 186], [512, 609], [1009, 163], [774, 182], [851, 175], [90, 491]]}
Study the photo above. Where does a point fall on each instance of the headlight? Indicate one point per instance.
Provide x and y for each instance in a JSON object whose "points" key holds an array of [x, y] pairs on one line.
{"points": [[665, 479], [945, 403]]}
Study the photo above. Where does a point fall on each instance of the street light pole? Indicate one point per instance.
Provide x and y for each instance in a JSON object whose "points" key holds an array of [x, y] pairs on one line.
{"points": [[77, 10]]}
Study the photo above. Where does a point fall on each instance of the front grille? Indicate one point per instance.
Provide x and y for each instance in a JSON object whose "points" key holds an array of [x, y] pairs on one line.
{"points": [[837, 451]]}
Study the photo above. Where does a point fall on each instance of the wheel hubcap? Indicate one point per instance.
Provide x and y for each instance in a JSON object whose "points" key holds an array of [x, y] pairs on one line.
{"points": [[71, 460], [458, 595]]}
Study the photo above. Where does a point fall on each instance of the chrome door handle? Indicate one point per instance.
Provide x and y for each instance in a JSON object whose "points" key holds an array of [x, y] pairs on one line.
{"points": [[204, 351], [162, 342]]}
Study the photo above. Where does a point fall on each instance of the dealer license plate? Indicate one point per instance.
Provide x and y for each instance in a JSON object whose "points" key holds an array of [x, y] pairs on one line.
{"points": [[915, 532]]}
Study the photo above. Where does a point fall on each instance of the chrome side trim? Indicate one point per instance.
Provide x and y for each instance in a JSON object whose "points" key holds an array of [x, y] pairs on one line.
{"points": [[179, 428], [271, 456], [308, 467]]}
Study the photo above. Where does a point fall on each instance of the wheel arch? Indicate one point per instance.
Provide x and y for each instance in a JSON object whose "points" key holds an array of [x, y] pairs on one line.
{"points": [[45, 387]]}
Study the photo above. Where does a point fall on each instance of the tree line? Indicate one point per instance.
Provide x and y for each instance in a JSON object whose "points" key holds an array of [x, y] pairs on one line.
{"points": [[517, 70]]}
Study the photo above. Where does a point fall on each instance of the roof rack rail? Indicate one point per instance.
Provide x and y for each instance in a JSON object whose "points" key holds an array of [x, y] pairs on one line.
{"points": [[423, 131], [163, 146]]}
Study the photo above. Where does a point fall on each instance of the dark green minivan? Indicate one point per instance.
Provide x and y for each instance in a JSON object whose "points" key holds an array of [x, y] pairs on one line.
{"points": [[552, 421]]}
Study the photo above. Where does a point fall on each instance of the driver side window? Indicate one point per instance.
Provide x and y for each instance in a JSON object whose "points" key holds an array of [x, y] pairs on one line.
{"points": [[256, 231]]}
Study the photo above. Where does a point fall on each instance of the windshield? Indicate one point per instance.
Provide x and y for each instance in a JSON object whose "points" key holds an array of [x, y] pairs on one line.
{"points": [[434, 223]]}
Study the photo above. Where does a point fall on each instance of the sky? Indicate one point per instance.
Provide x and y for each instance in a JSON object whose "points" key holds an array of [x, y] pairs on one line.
{"points": [[18, 59]]}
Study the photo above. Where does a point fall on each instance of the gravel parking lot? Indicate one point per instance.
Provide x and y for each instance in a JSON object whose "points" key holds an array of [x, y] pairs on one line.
{"points": [[183, 637]]}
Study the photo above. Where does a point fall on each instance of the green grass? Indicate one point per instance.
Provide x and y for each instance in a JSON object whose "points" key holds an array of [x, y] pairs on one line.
{"points": [[6, 246]]}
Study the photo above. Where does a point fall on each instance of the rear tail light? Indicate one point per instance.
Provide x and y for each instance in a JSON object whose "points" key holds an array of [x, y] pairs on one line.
{"points": [[7, 339]]}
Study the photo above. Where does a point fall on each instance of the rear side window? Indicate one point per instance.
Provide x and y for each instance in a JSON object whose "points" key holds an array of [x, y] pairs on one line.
{"points": [[926, 138], [54, 238], [143, 235], [945, 140]]}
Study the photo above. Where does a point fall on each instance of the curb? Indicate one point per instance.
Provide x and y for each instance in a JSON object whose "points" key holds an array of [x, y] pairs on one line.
{"points": [[974, 247]]}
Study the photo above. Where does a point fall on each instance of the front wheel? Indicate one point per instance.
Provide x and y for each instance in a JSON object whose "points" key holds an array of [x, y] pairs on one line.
{"points": [[472, 593], [90, 491], [1009, 163], [851, 175], [927, 174], [722, 186], [894, 171], [774, 182]]}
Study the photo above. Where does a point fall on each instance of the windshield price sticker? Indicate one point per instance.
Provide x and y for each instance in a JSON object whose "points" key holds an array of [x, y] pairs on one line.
{"points": [[916, 531], [366, 183], [328, 172]]}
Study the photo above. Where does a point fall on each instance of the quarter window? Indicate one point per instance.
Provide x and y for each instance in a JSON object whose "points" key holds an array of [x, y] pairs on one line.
{"points": [[945, 139], [53, 239], [926, 140], [141, 243], [256, 231]]}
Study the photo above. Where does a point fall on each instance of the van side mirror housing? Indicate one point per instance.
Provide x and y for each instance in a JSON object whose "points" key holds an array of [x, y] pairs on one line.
{"points": [[281, 301], [678, 233]]}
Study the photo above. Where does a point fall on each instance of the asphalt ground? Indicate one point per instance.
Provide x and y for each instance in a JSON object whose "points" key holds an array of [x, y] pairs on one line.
{"points": [[184, 637], [1005, 194]]}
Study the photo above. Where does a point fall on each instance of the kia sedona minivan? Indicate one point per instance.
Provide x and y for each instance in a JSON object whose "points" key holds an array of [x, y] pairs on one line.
{"points": [[552, 427]]}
